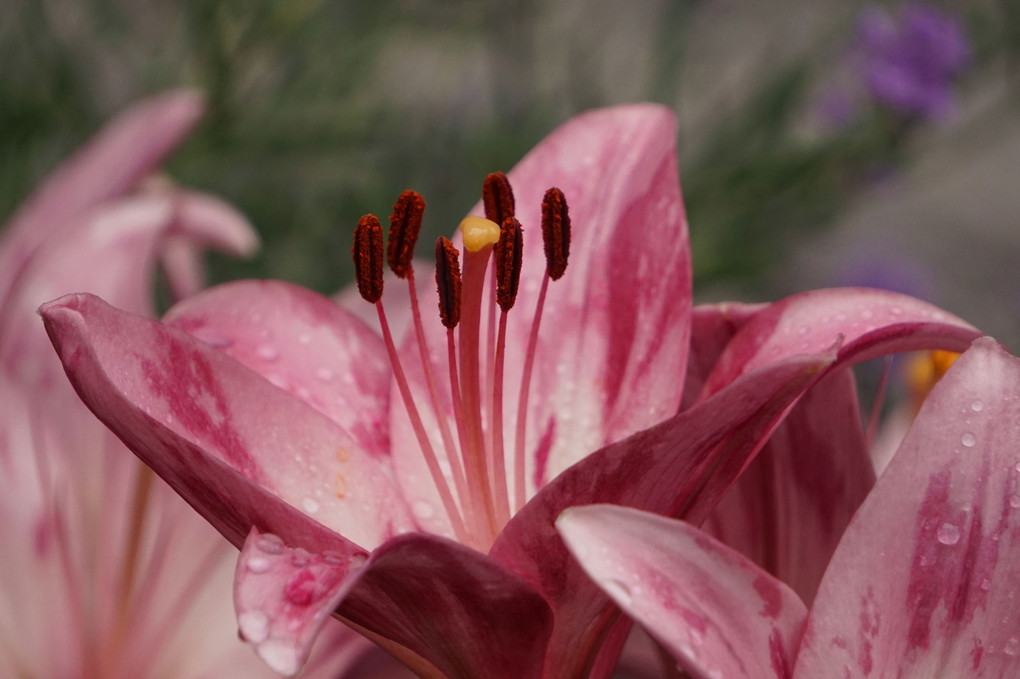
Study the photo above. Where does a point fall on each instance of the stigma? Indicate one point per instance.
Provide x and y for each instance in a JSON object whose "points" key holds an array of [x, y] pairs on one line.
{"points": [[476, 466]]}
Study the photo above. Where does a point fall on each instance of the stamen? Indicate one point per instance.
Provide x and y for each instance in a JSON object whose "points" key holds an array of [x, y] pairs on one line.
{"points": [[368, 258], [498, 198], [405, 223], [555, 232], [509, 257], [448, 282]]}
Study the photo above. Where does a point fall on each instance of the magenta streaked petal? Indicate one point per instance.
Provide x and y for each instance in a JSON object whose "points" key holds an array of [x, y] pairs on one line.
{"points": [[304, 344], [926, 579], [717, 612], [789, 508], [712, 327], [284, 595], [680, 467], [226, 439], [124, 152], [467, 615], [865, 323]]}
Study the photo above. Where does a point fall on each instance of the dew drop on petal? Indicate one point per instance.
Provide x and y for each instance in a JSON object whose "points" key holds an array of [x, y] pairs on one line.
{"points": [[281, 655], [977, 406], [267, 352], [968, 439], [619, 590], [254, 626], [310, 505], [423, 510], [985, 585], [1011, 647], [1017, 466], [324, 374], [258, 565], [948, 534], [1014, 502], [269, 543]]}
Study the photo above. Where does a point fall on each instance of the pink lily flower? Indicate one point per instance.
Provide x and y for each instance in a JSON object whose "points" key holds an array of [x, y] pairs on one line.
{"points": [[104, 571], [922, 584], [415, 499]]}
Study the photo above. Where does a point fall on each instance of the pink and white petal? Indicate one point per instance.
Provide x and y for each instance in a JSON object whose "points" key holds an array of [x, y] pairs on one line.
{"points": [[614, 334], [790, 507], [284, 595], [680, 468], [942, 527], [718, 613], [240, 450], [712, 328], [122, 153], [866, 323], [467, 615], [303, 343], [614, 337]]}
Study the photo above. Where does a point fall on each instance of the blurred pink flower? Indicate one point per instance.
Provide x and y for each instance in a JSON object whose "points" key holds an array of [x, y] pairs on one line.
{"points": [[104, 571], [283, 419], [922, 584]]}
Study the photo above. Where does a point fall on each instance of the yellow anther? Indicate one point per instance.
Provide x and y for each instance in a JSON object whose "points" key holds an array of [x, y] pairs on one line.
{"points": [[478, 233]]}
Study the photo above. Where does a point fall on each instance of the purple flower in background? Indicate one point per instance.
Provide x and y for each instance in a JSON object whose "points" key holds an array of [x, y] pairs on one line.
{"points": [[910, 59]]}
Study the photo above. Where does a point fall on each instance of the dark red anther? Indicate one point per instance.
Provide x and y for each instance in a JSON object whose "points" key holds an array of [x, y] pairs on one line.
{"points": [[498, 198], [555, 232], [368, 258], [405, 223], [448, 282], [508, 254]]}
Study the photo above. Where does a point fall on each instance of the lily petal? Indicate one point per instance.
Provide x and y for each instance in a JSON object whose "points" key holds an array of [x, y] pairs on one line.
{"points": [[680, 467], [467, 615], [867, 323], [304, 344], [712, 328], [240, 450], [284, 595], [943, 524], [791, 505], [712, 608]]}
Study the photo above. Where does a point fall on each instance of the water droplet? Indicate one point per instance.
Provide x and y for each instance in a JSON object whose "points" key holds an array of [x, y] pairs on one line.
{"points": [[1017, 466], [985, 585], [168, 418], [310, 505], [324, 374], [267, 352], [895, 310], [977, 406], [867, 313], [270, 544], [948, 534], [619, 590], [254, 626], [968, 439], [1012, 646], [333, 558], [257, 565], [1014, 502], [304, 338], [423, 510], [804, 329], [281, 655]]}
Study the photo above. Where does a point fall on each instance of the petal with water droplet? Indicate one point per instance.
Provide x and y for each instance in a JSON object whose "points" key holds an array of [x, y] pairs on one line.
{"points": [[941, 526]]}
